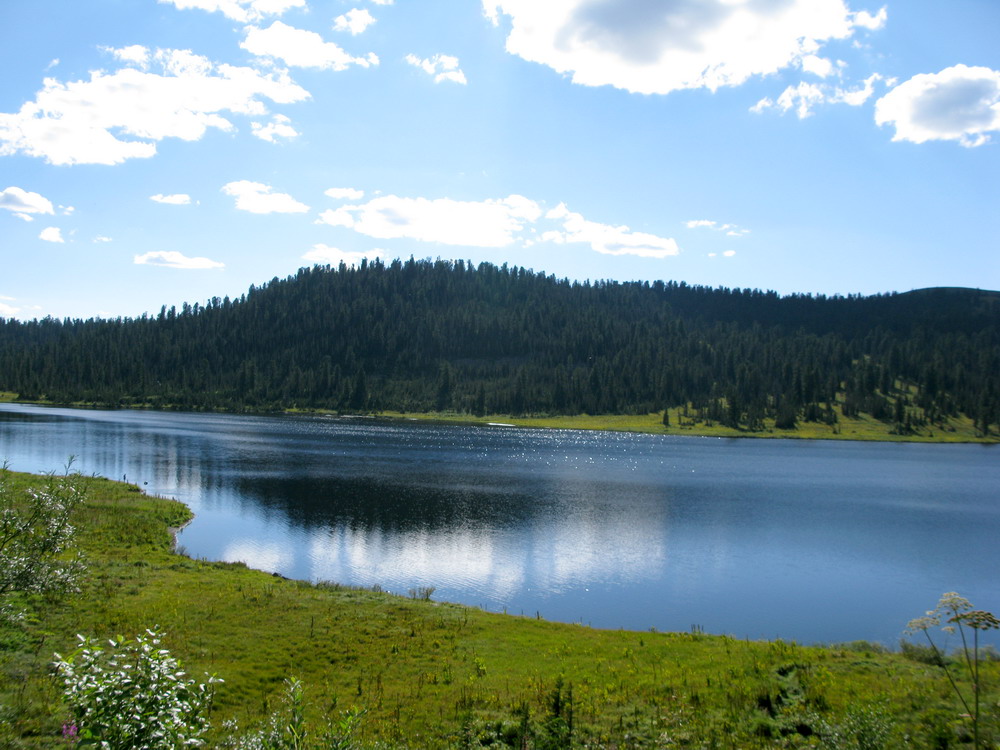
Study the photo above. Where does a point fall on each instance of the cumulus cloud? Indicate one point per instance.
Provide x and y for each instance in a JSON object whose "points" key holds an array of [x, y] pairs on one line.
{"points": [[655, 47], [323, 254], [135, 54], [818, 66], [23, 202], [300, 48], [51, 234], [731, 230], [279, 127], [177, 199], [960, 103], [118, 116], [350, 194], [355, 21], [607, 239], [258, 198], [489, 223], [8, 311], [866, 20], [805, 97], [240, 10], [173, 259], [440, 67]]}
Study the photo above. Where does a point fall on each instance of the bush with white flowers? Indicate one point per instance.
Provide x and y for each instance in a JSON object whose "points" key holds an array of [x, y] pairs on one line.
{"points": [[132, 695], [35, 537]]}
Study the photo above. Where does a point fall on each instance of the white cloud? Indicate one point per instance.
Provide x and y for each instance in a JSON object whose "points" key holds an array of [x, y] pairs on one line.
{"points": [[101, 238], [382, 2], [652, 47], [818, 66], [119, 116], [24, 202], [801, 98], [859, 96], [805, 97], [279, 127], [135, 54], [51, 234], [489, 223], [350, 194], [300, 48], [8, 311], [960, 103], [323, 254], [354, 21], [866, 20], [177, 199], [699, 223], [731, 230], [173, 259], [608, 239], [240, 10], [258, 198], [729, 253], [441, 67]]}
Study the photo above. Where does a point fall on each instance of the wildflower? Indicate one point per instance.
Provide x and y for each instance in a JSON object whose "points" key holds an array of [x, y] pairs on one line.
{"points": [[979, 620]]}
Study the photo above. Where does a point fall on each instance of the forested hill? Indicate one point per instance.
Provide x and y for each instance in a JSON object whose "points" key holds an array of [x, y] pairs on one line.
{"points": [[425, 336]]}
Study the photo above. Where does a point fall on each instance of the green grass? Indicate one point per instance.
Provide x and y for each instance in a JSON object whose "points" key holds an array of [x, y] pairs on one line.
{"points": [[864, 427], [430, 674]]}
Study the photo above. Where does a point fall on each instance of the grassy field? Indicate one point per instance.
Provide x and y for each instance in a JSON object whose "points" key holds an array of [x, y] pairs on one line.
{"points": [[437, 675], [952, 430], [955, 430]]}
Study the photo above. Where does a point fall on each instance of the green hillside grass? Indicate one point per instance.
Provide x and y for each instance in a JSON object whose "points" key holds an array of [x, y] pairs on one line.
{"points": [[433, 674], [864, 427]]}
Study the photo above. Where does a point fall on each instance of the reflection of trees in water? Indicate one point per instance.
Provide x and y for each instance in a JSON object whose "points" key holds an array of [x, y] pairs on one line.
{"points": [[367, 503]]}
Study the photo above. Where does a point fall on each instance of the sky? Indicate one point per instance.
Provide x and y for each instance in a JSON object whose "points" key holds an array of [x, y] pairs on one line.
{"points": [[156, 152]]}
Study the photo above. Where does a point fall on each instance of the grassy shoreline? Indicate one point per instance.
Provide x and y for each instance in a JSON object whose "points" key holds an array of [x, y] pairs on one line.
{"points": [[862, 428], [438, 675]]}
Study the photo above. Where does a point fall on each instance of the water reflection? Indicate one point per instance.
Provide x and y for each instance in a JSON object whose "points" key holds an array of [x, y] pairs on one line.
{"points": [[813, 541]]}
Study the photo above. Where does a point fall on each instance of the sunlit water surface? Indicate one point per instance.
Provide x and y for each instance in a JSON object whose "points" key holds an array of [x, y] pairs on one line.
{"points": [[816, 541]]}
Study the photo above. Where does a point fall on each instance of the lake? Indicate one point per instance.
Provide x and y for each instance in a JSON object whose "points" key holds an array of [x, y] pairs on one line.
{"points": [[814, 541]]}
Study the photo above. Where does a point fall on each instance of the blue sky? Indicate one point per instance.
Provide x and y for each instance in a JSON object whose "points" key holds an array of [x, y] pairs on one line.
{"points": [[165, 151]]}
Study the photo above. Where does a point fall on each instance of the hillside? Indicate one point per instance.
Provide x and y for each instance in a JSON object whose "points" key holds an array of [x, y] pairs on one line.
{"points": [[452, 337]]}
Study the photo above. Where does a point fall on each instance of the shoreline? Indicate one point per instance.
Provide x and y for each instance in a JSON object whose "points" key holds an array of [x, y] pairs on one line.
{"points": [[857, 430]]}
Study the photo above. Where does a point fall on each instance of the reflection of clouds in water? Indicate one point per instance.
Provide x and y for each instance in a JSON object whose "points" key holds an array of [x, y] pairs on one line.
{"points": [[267, 556], [597, 544], [461, 558]]}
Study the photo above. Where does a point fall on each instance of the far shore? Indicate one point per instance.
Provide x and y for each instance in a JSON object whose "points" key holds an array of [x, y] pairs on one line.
{"points": [[862, 428]]}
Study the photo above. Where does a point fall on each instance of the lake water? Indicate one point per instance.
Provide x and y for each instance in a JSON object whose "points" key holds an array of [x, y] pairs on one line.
{"points": [[815, 541]]}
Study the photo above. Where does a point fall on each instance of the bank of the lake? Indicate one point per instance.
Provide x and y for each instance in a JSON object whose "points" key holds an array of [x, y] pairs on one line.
{"points": [[432, 674], [956, 429]]}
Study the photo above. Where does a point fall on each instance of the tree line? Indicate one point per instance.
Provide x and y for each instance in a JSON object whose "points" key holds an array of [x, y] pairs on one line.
{"points": [[451, 336]]}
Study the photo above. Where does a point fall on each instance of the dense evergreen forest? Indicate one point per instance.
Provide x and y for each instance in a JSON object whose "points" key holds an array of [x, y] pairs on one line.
{"points": [[450, 336]]}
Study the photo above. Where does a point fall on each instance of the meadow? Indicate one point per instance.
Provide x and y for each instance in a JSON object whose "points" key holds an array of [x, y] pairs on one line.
{"points": [[428, 674]]}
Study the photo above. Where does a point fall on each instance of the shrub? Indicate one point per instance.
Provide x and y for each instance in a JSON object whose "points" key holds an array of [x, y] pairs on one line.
{"points": [[133, 696], [35, 534]]}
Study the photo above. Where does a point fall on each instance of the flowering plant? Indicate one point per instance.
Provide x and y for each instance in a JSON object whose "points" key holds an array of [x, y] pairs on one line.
{"points": [[132, 696], [958, 614]]}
